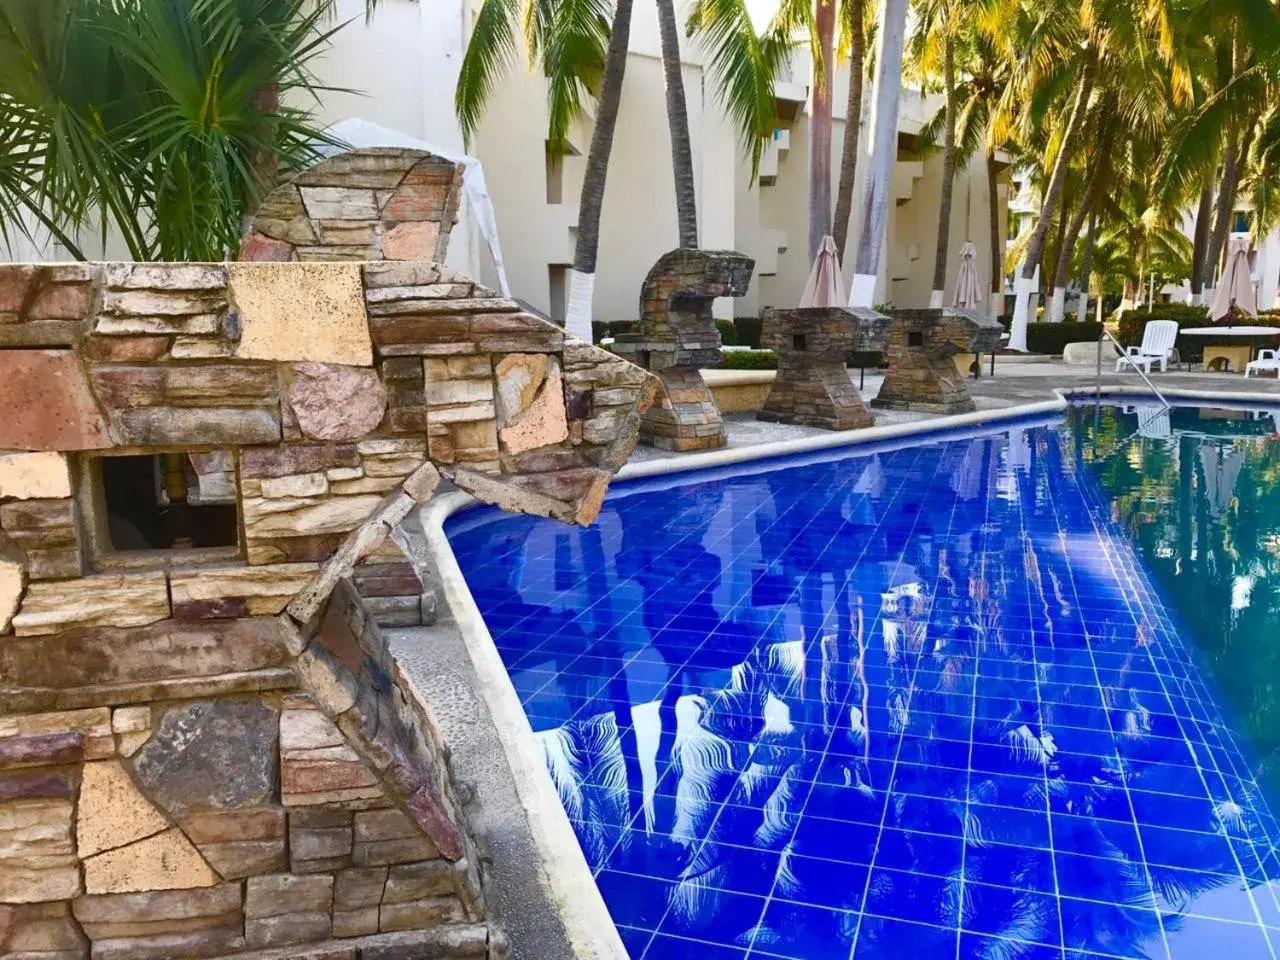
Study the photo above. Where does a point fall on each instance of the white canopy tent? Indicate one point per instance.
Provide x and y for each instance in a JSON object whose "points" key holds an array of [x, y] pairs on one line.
{"points": [[364, 133]]}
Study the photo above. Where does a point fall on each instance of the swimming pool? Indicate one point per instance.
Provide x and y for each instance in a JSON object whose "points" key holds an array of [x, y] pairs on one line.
{"points": [[953, 699]]}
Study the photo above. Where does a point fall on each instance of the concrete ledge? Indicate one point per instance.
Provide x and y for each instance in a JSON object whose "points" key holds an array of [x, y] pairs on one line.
{"points": [[739, 391], [540, 885]]}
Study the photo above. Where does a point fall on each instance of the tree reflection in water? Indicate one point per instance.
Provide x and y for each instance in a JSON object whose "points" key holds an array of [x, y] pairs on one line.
{"points": [[921, 700]]}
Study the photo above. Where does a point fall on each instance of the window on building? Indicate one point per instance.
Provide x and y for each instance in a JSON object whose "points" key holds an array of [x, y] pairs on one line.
{"points": [[1241, 224], [169, 501]]}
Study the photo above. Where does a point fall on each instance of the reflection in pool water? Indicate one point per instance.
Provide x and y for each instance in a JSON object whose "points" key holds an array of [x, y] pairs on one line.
{"points": [[922, 702]]}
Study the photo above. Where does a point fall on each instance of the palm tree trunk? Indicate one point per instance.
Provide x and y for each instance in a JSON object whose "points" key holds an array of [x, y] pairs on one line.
{"points": [[820, 128], [852, 129], [1224, 213], [1075, 125], [997, 250], [884, 152], [1200, 248], [1086, 268], [578, 311], [1057, 305], [948, 166], [678, 124]]}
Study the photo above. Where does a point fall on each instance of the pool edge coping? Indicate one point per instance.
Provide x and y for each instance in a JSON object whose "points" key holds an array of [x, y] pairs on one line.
{"points": [[589, 928]]}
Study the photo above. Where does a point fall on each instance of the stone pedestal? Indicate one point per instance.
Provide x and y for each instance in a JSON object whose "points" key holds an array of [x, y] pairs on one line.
{"points": [[678, 337], [923, 344], [813, 386]]}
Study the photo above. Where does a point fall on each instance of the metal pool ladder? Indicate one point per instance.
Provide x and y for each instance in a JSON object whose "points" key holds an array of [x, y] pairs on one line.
{"points": [[1097, 390]]}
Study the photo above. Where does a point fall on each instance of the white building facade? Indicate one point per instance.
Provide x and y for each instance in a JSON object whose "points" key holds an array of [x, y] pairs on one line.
{"points": [[405, 62]]}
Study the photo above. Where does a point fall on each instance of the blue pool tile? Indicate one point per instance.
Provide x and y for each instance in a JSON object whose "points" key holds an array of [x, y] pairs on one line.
{"points": [[927, 702]]}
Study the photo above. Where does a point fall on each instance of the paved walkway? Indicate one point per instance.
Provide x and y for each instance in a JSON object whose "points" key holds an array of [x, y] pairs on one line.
{"points": [[1017, 381]]}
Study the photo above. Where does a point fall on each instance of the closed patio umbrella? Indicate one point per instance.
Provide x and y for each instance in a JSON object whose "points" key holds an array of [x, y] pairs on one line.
{"points": [[968, 290], [825, 286], [1236, 285]]}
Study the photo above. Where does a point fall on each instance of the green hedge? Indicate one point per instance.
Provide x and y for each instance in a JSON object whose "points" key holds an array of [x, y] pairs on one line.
{"points": [[1190, 349], [748, 331], [754, 360], [1051, 339]]}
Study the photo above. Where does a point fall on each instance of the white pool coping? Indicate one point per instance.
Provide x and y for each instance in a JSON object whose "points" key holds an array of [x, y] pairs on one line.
{"points": [[589, 928]]}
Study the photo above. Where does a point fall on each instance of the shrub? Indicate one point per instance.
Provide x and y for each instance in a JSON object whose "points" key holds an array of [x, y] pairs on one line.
{"points": [[1052, 338], [728, 333], [1190, 349], [747, 330], [750, 360]]}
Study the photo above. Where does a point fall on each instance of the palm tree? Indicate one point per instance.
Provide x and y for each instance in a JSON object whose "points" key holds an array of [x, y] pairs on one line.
{"points": [[158, 119], [678, 125], [853, 41], [938, 28], [884, 152]]}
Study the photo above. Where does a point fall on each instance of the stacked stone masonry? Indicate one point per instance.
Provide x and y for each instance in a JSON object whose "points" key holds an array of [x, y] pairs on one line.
{"points": [[922, 373], [813, 344], [211, 752], [678, 337]]}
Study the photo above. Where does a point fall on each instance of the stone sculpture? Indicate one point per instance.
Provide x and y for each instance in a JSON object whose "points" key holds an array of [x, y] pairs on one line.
{"points": [[922, 373], [207, 750], [678, 337], [813, 387]]}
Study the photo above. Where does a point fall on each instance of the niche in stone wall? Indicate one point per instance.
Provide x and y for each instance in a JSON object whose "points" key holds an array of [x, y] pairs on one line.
{"points": [[146, 503]]}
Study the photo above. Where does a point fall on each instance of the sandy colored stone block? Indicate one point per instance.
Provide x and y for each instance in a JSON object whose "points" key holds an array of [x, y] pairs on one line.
{"points": [[542, 422], [166, 861], [298, 485], [282, 894], [337, 515], [37, 857], [105, 600], [26, 476], [112, 812], [245, 591], [312, 311], [13, 580], [94, 724], [42, 931]]}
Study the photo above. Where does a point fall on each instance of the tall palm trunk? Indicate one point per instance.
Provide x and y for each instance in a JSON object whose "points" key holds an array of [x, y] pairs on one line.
{"points": [[1086, 268], [1057, 303], [820, 127], [884, 152], [1052, 195], [581, 289], [1200, 242], [852, 128], [678, 125], [997, 249], [1224, 213], [938, 292]]}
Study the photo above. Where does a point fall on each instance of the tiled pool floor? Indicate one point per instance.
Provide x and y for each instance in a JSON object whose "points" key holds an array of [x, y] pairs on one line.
{"points": [[918, 704]]}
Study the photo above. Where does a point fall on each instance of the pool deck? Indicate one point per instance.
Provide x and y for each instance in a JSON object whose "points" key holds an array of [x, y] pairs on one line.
{"points": [[1017, 382]]}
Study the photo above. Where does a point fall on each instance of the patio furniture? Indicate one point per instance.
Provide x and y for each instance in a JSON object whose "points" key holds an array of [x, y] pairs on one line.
{"points": [[1267, 362], [1233, 356], [1156, 347]]}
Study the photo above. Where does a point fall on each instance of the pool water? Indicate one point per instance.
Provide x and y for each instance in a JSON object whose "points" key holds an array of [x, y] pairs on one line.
{"points": [[1002, 696]]}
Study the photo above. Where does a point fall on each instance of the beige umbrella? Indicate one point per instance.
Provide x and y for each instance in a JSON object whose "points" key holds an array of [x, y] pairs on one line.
{"points": [[1235, 286], [825, 286], [968, 290]]}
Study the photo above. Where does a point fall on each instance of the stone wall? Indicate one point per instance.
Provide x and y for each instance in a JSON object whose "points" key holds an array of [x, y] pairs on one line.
{"points": [[813, 344], [678, 337], [922, 373], [209, 751], [376, 203]]}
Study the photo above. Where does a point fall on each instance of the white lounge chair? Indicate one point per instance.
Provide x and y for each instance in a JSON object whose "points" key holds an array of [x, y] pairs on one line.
{"points": [[1267, 362], [1157, 347]]}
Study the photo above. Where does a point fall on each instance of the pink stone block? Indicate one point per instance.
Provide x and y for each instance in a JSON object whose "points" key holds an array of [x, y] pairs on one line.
{"points": [[47, 403]]}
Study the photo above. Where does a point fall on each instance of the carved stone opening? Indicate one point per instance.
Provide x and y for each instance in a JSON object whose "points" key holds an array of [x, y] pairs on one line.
{"points": [[165, 502]]}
